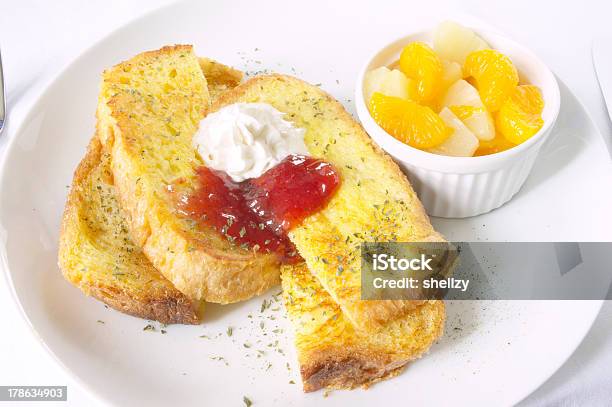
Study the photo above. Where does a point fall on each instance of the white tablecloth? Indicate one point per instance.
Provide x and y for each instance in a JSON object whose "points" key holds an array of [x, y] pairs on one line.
{"points": [[39, 37]]}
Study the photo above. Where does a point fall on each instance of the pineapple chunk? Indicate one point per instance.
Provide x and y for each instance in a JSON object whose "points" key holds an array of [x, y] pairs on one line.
{"points": [[461, 143], [386, 81], [454, 42], [465, 101], [451, 73], [461, 93], [478, 120]]}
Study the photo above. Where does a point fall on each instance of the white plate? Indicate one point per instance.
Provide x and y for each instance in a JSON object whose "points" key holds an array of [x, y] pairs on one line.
{"points": [[493, 352]]}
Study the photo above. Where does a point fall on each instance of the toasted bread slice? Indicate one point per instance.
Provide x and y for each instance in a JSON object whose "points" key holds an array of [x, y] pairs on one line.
{"points": [[149, 109], [97, 255], [333, 354], [374, 202]]}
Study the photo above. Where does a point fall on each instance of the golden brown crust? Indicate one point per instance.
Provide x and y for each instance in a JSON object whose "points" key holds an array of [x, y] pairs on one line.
{"points": [[93, 256], [337, 371], [167, 308], [150, 106]]}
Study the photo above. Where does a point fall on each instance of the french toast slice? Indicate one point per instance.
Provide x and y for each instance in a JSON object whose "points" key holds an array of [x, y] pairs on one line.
{"points": [[333, 354], [374, 202], [97, 255], [149, 108], [96, 252]]}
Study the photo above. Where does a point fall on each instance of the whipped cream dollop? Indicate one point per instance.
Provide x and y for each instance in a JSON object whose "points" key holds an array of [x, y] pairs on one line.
{"points": [[246, 139]]}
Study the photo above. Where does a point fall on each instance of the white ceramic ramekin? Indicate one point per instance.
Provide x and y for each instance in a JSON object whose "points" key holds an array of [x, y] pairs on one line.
{"points": [[458, 187]]}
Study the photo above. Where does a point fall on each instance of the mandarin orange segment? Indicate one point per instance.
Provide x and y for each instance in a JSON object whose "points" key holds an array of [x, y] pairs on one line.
{"points": [[529, 99], [498, 144], [520, 117], [494, 75], [421, 64], [409, 122], [465, 112]]}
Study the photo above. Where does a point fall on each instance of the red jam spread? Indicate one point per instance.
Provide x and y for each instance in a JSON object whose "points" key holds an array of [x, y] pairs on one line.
{"points": [[258, 213]]}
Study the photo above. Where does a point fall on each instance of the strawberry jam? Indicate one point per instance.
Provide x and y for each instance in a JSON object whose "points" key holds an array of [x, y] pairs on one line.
{"points": [[258, 213]]}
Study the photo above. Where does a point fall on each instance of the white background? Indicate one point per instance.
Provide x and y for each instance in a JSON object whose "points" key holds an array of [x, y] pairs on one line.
{"points": [[38, 38]]}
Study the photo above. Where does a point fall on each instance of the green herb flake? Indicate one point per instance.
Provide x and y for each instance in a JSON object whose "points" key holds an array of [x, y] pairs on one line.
{"points": [[265, 305]]}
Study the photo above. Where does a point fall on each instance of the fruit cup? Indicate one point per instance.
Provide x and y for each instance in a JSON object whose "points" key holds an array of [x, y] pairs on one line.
{"points": [[459, 187]]}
